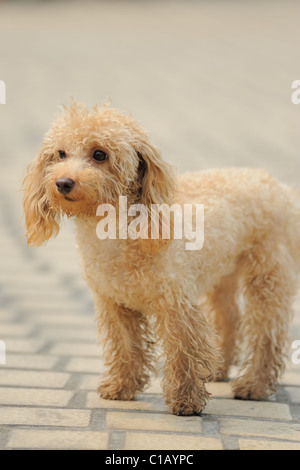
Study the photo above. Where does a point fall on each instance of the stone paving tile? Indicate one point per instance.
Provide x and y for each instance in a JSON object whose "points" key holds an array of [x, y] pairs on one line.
{"points": [[84, 365], [25, 279], [58, 439], [24, 345], [76, 349], [30, 361], [153, 422], [68, 332], [256, 427], [293, 394], [159, 441], [89, 382], [143, 402], [19, 330], [7, 316], [154, 387], [30, 293], [256, 444], [44, 417], [34, 397], [60, 308], [220, 389], [291, 377], [27, 378], [248, 408]]}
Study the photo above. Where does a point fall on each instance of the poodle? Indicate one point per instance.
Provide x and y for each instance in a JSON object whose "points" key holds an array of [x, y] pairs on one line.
{"points": [[149, 290]]}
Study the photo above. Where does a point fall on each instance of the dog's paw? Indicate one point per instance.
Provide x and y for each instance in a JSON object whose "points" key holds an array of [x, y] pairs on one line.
{"points": [[187, 399], [183, 409], [111, 391], [246, 390], [186, 407], [221, 376]]}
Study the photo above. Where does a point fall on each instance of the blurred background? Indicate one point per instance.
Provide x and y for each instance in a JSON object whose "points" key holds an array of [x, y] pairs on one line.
{"points": [[211, 80]]}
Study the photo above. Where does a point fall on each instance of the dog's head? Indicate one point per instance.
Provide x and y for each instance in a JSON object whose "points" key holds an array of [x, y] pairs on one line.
{"points": [[89, 158]]}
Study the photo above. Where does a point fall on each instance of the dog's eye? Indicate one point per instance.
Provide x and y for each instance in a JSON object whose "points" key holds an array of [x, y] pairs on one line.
{"points": [[62, 154], [100, 156]]}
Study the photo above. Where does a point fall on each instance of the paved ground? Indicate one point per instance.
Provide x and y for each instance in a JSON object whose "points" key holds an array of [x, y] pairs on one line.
{"points": [[212, 81]]}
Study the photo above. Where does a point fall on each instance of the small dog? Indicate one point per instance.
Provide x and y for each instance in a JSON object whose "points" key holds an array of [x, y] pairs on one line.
{"points": [[146, 288]]}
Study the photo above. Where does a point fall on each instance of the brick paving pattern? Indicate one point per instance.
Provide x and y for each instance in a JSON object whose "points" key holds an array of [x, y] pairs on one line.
{"points": [[212, 81]]}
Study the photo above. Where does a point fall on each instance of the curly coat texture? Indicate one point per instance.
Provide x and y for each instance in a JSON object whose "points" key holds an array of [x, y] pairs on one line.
{"points": [[147, 290]]}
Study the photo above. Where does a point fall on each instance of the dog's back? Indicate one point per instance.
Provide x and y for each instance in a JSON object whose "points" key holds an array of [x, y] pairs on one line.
{"points": [[246, 201]]}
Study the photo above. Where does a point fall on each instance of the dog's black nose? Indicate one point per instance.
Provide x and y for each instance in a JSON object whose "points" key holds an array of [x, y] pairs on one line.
{"points": [[64, 185]]}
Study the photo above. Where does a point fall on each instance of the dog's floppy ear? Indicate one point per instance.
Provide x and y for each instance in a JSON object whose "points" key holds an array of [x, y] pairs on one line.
{"points": [[41, 220], [156, 177], [157, 186]]}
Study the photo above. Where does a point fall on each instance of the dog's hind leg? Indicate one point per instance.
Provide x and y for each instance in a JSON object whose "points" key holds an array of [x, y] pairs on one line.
{"points": [[222, 305], [270, 283]]}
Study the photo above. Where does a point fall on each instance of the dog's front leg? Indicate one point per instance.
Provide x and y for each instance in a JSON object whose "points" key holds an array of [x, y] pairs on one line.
{"points": [[127, 350], [191, 358]]}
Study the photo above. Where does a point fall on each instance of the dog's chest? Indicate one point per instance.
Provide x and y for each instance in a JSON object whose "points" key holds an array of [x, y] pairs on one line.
{"points": [[114, 271]]}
